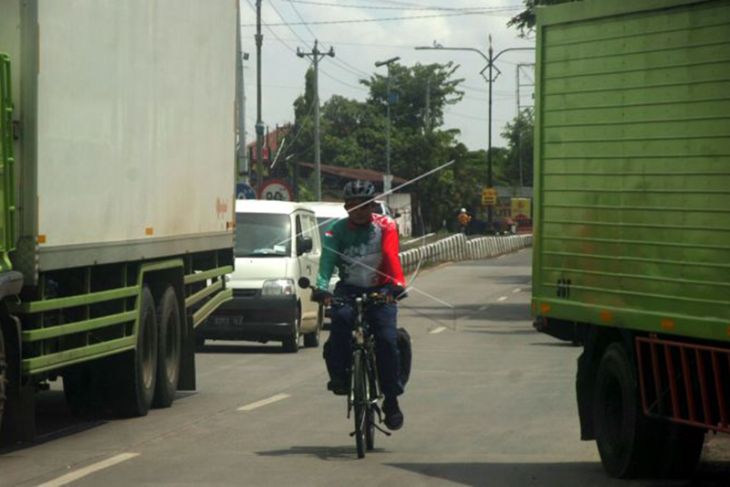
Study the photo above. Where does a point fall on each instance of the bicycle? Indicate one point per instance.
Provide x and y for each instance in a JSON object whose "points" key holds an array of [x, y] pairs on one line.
{"points": [[364, 388]]}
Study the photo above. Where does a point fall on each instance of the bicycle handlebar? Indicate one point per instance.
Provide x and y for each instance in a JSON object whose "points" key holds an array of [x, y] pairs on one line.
{"points": [[368, 298]]}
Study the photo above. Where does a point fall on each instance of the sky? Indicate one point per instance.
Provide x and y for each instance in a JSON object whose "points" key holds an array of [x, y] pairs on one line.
{"points": [[360, 36]]}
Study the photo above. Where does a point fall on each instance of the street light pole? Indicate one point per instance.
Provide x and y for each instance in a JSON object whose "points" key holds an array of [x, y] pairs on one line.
{"points": [[491, 58], [259, 122], [387, 178], [316, 55]]}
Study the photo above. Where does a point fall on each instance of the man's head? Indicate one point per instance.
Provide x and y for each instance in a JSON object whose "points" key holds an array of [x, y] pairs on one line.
{"points": [[359, 201]]}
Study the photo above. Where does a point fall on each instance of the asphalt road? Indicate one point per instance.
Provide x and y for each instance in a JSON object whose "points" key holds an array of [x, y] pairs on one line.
{"points": [[490, 403]]}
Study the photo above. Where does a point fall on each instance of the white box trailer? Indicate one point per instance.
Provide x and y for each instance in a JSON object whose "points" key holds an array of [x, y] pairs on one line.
{"points": [[118, 196]]}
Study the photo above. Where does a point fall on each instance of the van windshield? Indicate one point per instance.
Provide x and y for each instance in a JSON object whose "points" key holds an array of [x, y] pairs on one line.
{"points": [[262, 235]]}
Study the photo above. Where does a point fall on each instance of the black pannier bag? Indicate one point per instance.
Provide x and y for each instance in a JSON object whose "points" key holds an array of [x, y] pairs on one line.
{"points": [[406, 355]]}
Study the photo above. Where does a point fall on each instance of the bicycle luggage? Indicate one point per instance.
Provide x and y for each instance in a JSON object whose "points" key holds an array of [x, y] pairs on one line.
{"points": [[405, 353]]}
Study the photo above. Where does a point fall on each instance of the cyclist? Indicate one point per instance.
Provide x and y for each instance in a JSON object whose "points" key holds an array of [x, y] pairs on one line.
{"points": [[463, 218], [364, 247]]}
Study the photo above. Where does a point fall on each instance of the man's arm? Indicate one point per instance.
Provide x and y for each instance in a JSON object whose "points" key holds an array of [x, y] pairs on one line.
{"points": [[328, 259], [391, 259]]}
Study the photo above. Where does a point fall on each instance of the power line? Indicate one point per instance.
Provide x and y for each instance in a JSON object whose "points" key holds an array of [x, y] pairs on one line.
{"points": [[404, 7], [340, 62], [337, 63], [380, 19]]}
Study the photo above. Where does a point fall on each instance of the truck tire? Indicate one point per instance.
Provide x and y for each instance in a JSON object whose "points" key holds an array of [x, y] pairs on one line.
{"points": [[311, 340], [622, 431], [169, 340], [3, 377], [82, 387], [680, 448], [136, 371]]}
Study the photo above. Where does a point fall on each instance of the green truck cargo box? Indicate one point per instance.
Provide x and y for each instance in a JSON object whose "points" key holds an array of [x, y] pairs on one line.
{"points": [[633, 166]]}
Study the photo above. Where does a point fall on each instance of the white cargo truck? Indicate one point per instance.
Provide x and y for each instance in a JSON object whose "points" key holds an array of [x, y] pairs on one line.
{"points": [[116, 200]]}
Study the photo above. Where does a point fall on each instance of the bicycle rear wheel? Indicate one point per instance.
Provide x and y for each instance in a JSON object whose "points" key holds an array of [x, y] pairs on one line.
{"points": [[359, 400]]}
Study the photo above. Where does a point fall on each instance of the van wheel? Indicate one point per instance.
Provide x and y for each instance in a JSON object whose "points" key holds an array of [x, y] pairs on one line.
{"points": [[168, 350], [291, 343], [311, 340]]}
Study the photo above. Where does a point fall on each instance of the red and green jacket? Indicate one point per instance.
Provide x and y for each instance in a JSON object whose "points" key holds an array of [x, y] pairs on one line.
{"points": [[365, 255]]}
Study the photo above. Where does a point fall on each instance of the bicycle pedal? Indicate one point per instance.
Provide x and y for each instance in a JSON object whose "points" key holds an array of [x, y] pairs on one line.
{"points": [[386, 433]]}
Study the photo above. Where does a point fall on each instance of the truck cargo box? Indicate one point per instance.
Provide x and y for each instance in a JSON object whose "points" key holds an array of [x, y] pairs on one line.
{"points": [[126, 112], [633, 166]]}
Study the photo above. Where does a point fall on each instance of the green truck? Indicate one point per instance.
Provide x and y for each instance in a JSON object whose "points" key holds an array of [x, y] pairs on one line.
{"points": [[116, 198], [632, 221]]}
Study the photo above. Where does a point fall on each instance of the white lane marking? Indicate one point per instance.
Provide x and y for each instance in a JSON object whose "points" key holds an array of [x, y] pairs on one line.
{"points": [[482, 308], [83, 472], [437, 330], [263, 402], [516, 290], [502, 298]]}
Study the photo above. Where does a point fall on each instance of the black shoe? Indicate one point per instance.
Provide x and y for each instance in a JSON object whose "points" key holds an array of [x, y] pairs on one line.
{"points": [[393, 414], [338, 387]]}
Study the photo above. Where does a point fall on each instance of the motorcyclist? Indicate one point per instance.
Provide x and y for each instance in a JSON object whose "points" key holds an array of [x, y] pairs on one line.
{"points": [[364, 247]]}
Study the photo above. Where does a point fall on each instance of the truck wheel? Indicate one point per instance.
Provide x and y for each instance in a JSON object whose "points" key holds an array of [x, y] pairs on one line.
{"points": [[136, 371], [168, 350], [3, 377], [82, 389], [312, 339], [620, 426], [680, 447], [290, 344]]}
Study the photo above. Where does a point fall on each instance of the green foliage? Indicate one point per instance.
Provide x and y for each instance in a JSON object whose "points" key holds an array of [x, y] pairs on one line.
{"points": [[525, 20], [353, 134], [518, 158]]}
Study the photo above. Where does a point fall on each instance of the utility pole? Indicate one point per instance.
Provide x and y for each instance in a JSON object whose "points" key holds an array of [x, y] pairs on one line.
{"points": [[387, 178], [259, 122], [316, 55], [493, 74], [242, 170], [519, 83], [427, 123]]}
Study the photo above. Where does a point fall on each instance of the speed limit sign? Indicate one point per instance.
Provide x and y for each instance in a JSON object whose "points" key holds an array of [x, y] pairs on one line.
{"points": [[276, 189]]}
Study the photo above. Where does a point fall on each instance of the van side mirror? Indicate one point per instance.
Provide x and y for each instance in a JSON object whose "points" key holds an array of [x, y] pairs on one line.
{"points": [[304, 244]]}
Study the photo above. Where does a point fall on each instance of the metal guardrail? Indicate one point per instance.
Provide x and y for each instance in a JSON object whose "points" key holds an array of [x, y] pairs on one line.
{"points": [[458, 248]]}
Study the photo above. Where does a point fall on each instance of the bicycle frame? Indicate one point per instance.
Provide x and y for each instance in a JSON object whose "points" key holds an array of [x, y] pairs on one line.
{"points": [[364, 342]]}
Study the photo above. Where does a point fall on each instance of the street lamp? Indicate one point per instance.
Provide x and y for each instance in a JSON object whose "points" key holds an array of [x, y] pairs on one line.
{"points": [[387, 178], [491, 78]]}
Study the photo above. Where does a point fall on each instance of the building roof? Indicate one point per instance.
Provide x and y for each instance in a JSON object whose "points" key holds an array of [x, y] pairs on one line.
{"points": [[353, 173]]}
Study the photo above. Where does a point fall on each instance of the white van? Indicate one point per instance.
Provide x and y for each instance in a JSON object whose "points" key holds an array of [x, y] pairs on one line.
{"points": [[327, 213], [277, 242]]}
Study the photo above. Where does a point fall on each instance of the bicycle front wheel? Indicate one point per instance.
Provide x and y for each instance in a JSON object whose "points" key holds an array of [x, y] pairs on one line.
{"points": [[359, 400], [372, 394]]}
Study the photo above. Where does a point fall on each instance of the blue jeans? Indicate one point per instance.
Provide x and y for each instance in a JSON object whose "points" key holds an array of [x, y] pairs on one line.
{"points": [[382, 319]]}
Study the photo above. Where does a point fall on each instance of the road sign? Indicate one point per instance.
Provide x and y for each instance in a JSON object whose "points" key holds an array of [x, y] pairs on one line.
{"points": [[489, 196], [276, 189], [244, 191]]}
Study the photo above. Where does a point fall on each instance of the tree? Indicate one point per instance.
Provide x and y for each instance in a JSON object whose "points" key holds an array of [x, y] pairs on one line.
{"points": [[515, 168], [525, 20]]}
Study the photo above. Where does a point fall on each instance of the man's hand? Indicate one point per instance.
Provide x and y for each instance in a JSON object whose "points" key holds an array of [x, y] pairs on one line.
{"points": [[322, 296], [396, 293]]}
